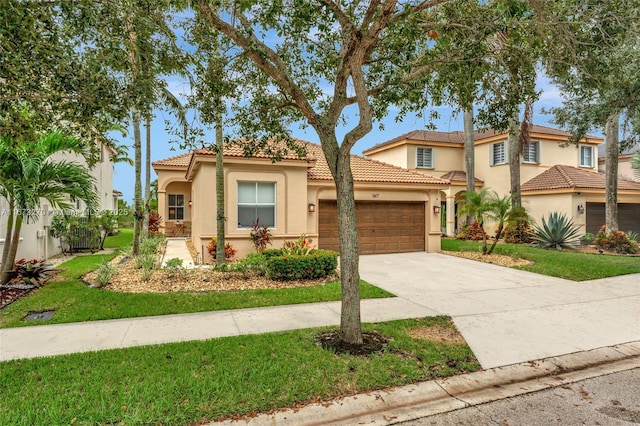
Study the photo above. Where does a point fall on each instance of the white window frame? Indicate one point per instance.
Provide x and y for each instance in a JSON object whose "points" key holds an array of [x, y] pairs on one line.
{"points": [[585, 148], [256, 204], [176, 205], [424, 150], [492, 159], [535, 145]]}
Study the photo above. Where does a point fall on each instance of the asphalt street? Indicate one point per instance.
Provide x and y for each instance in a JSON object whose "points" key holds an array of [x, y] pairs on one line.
{"points": [[610, 400]]}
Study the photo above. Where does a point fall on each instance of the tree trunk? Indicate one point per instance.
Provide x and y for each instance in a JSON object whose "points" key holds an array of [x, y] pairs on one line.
{"points": [[137, 189], [13, 250], [498, 235], [220, 217], [7, 239], [484, 238], [611, 172], [350, 325], [147, 178], [514, 162], [469, 155]]}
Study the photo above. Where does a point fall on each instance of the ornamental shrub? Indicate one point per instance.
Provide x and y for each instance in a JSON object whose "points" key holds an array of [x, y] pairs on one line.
{"points": [[269, 253], [472, 232], [316, 264], [229, 251], [615, 240], [260, 236], [301, 246], [155, 220], [518, 229]]}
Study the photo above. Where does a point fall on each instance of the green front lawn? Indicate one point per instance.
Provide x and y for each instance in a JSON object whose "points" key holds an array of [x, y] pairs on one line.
{"points": [[122, 239], [185, 383], [74, 301], [566, 264]]}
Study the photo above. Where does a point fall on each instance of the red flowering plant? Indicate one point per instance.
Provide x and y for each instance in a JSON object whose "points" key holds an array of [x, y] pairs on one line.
{"points": [[229, 251], [260, 236], [301, 247]]}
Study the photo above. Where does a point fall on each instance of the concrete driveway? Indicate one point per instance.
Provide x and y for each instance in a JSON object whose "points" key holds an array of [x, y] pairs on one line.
{"points": [[509, 316]]}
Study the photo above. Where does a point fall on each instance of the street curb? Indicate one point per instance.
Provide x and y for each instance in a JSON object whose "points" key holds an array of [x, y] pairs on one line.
{"points": [[411, 402]]}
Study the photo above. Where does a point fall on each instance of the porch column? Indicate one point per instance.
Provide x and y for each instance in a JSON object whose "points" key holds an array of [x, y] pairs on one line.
{"points": [[451, 215]]}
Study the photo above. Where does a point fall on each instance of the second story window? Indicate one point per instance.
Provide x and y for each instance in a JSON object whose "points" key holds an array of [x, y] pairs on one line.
{"points": [[586, 156], [532, 153], [424, 158], [498, 154]]}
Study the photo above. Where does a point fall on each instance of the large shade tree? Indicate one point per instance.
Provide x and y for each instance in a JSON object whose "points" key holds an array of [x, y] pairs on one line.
{"points": [[136, 41], [596, 66], [335, 67], [49, 69]]}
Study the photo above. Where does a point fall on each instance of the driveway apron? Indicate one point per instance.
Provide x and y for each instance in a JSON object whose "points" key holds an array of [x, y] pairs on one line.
{"points": [[509, 316]]}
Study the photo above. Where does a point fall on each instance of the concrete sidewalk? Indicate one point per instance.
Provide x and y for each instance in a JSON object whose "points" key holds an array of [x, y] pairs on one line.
{"points": [[59, 339], [507, 316]]}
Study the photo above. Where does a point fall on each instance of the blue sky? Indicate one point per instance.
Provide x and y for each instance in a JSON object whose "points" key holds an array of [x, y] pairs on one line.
{"points": [[162, 148]]}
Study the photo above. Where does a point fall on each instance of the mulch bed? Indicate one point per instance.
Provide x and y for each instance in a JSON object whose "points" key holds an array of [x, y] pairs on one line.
{"points": [[128, 280], [8, 295], [372, 343]]}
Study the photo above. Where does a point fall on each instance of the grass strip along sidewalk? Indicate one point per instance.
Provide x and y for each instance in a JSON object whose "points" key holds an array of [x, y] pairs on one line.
{"points": [[74, 301], [565, 264], [195, 381]]}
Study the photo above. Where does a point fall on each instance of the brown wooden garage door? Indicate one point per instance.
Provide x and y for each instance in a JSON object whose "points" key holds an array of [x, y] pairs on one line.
{"points": [[383, 227], [628, 217]]}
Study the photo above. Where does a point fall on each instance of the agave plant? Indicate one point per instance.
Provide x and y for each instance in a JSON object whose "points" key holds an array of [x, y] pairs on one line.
{"points": [[557, 232]]}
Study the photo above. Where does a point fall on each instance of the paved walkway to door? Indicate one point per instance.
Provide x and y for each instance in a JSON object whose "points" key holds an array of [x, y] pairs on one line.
{"points": [[507, 315]]}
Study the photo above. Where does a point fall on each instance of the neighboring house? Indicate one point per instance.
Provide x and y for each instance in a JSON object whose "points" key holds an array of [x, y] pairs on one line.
{"points": [[625, 170], [394, 206], [442, 154], [35, 242], [581, 193]]}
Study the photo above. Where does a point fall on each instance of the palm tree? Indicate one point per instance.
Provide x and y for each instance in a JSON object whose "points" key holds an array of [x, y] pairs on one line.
{"points": [[29, 174], [499, 210], [477, 204]]}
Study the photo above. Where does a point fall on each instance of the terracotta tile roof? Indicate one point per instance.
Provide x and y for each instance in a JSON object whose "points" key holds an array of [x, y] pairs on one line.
{"points": [[181, 160], [456, 137], [567, 177], [458, 176], [367, 170], [535, 128], [363, 169], [235, 150]]}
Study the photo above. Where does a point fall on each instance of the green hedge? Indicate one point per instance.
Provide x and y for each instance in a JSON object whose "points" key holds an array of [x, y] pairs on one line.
{"points": [[317, 264]]}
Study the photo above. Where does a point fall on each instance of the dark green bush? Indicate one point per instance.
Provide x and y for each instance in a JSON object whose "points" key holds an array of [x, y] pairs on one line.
{"points": [[269, 253], [316, 264]]}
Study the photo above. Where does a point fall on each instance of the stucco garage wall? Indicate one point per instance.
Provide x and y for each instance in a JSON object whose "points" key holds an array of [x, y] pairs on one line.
{"points": [[539, 206]]}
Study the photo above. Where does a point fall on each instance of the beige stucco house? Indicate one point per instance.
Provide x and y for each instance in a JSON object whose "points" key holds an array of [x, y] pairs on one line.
{"points": [[625, 170], [576, 188], [35, 241], [394, 206]]}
